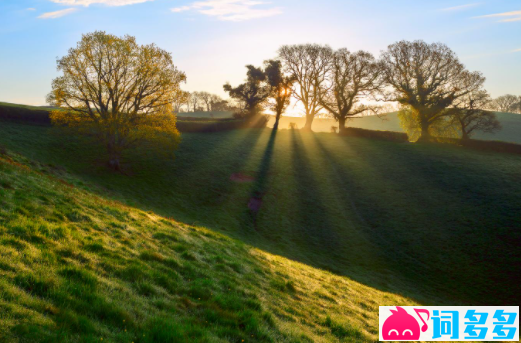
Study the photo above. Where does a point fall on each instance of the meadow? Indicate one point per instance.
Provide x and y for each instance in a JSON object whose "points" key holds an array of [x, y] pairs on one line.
{"points": [[79, 267], [437, 224]]}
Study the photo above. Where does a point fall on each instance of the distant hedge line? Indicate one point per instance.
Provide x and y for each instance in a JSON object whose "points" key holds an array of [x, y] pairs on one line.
{"points": [[22, 114], [385, 135], [35, 116]]}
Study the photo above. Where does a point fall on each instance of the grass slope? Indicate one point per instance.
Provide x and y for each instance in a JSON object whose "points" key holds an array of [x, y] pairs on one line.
{"points": [[77, 267], [438, 224]]}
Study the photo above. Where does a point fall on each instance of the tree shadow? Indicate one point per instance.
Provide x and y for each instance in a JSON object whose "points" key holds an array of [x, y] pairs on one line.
{"points": [[457, 242]]}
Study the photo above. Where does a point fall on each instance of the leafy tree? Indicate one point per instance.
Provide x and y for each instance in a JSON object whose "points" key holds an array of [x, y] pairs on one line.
{"points": [[280, 85], [427, 78], [119, 91], [352, 77], [469, 115], [253, 93], [309, 65], [441, 129]]}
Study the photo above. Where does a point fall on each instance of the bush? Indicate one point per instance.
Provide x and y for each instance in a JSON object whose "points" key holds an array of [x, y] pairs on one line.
{"points": [[375, 134]]}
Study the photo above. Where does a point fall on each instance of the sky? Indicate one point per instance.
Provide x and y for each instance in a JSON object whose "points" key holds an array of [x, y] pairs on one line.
{"points": [[213, 40]]}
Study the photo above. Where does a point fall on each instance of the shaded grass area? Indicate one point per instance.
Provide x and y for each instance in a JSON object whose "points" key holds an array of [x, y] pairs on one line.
{"points": [[439, 224], [77, 267]]}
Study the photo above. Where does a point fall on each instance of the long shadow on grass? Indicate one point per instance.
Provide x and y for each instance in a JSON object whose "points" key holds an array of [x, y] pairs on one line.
{"points": [[315, 228], [457, 244]]}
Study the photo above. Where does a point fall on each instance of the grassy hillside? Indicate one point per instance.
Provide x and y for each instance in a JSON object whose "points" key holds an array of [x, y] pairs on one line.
{"points": [[435, 223], [77, 267]]}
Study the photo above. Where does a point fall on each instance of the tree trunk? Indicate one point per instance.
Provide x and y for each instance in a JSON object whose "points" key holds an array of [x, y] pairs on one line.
{"points": [[425, 135], [277, 120], [114, 163], [341, 126], [309, 122], [464, 136]]}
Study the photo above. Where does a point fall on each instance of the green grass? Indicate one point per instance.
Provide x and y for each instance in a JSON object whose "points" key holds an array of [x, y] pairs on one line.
{"points": [[436, 224], [77, 267]]}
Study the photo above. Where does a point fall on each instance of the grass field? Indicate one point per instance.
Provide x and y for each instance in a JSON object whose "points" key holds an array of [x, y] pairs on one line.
{"points": [[78, 267], [437, 224]]}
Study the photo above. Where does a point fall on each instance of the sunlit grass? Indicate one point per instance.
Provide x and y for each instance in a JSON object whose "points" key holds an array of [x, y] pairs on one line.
{"points": [[77, 267]]}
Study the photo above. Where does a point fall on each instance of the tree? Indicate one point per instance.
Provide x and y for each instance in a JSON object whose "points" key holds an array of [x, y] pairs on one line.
{"points": [[193, 101], [469, 114], [206, 99], [280, 85], [309, 65], [352, 76], [119, 91], [507, 103], [180, 101], [253, 93], [428, 78], [218, 104]]}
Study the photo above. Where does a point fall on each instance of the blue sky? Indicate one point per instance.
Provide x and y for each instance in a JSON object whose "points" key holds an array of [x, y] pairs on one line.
{"points": [[212, 40]]}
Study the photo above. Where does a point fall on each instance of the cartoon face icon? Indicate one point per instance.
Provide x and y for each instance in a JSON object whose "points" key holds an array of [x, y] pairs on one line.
{"points": [[402, 326]]}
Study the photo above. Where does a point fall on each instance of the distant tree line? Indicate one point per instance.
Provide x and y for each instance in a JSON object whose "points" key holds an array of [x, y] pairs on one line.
{"points": [[203, 102], [506, 103], [435, 91]]}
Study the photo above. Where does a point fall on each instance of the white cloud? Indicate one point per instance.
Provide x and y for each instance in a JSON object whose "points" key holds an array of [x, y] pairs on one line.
{"points": [[231, 10], [31, 9], [180, 9], [57, 14], [460, 8], [87, 3], [517, 50], [507, 16]]}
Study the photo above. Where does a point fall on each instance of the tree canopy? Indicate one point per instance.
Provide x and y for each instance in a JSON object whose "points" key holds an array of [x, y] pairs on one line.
{"points": [[428, 78], [281, 91], [352, 77], [309, 65], [253, 93], [120, 91]]}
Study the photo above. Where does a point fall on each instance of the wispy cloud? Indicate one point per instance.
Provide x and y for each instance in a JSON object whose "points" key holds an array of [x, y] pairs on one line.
{"points": [[87, 3], [460, 8], [31, 9], [57, 14], [506, 16], [517, 50], [232, 10]]}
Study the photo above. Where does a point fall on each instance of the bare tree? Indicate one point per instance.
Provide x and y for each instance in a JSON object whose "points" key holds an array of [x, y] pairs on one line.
{"points": [[353, 76], [428, 78], [507, 103], [193, 101], [469, 114], [206, 99], [309, 65]]}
